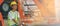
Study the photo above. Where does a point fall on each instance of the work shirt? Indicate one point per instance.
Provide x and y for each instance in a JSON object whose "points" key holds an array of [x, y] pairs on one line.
{"points": [[12, 15]]}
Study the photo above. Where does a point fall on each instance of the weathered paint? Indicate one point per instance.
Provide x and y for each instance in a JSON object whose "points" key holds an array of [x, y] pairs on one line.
{"points": [[1, 19]]}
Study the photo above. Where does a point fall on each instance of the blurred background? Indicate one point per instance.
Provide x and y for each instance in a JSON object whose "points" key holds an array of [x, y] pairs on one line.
{"points": [[40, 12]]}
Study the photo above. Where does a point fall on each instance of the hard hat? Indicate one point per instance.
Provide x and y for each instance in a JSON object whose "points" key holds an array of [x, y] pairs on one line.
{"points": [[13, 3]]}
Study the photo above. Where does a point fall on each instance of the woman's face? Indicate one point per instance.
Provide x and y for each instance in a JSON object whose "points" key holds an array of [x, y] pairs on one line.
{"points": [[14, 7]]}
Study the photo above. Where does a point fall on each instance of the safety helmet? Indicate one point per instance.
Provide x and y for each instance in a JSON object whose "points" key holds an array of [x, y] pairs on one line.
{"points": [[13, 3]]}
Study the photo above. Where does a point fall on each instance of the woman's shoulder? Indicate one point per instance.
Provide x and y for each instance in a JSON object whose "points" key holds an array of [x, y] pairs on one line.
{"points": [[14, 12], [9, 12]]}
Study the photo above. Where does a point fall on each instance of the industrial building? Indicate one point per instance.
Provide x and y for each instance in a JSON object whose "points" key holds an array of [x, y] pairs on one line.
{"points": [[32, 12]]}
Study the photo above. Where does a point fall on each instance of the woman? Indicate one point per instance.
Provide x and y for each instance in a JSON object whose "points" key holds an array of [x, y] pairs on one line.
{"points": [[13, 15]]}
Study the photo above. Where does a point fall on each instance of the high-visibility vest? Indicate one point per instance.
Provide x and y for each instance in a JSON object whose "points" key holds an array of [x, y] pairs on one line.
{"points": [[11, 22]]}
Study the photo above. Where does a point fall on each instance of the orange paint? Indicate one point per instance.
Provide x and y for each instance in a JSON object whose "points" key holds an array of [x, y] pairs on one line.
{"points": [[20, 9], [1, 19], [1, 1], [47, 8], [44, 12], [22, 16]]}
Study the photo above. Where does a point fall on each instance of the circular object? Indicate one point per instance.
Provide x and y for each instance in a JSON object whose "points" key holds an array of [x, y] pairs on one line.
{"points": [[5, 7]]}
